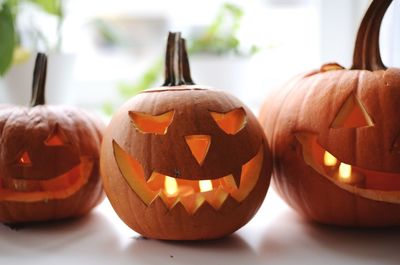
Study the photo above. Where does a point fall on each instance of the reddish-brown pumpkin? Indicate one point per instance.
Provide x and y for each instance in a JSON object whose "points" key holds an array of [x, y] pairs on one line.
{"points": [[326, 122], [49, 158], [184, 162]]}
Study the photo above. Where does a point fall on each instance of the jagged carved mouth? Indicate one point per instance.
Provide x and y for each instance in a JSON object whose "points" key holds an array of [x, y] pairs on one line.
{"points": [[371, 184], [190, 193], [63, 186]]}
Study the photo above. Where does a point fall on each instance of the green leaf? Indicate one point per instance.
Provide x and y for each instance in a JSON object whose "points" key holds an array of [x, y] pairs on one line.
{"points": [[148, 79], [50, 6], [13, 5], [220, 37], [7, 40], [108, 34], [108, 108]]}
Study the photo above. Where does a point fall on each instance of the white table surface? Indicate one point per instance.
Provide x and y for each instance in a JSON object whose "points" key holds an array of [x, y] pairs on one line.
{"points": [[276, 235]]}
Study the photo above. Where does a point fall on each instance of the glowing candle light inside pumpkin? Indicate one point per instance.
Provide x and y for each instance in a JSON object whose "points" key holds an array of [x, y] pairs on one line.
{"points": [[170, 185], [329, 159], [205, 185], [344, 171], [25, 159]]}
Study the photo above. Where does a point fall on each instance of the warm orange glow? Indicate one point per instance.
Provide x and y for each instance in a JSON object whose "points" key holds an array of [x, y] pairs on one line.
{"points": [[231, 122], [25, 159], [329, 159], [54, 140], [352, 115], [205, 185], [61, 187], [147, 123], [191, 194], [199, 145], [344, 171], [170, 186]]}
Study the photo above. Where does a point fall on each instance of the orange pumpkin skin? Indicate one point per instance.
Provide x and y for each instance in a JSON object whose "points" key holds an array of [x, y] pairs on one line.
{"points": [[49, 161], [307, 111], [169, 154], [308, 104]]}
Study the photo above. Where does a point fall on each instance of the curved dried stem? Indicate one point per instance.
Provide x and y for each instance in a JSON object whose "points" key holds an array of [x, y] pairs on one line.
{"points": [[177, 69], [39, 80], [366, 51]]}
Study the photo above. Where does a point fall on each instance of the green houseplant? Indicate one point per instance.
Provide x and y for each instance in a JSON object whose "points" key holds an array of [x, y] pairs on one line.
{"points": [[11, 47], [219, 39], [21, 35]]}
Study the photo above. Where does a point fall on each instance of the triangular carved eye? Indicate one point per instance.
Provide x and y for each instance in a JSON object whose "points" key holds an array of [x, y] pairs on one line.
{"points": [[25, 159], [56, 137], [230, 122], [352, 114], [147, 123]]}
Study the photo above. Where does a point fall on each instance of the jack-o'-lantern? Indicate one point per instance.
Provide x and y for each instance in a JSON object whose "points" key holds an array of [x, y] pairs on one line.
{"points": [[335, 136], [49, 158], [184, 162]]}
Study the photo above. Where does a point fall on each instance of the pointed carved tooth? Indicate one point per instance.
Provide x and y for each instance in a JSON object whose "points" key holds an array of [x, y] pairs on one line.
{"points": [[168, 200], [198, 202], [237, 174], [216, 197], [192, 202], [178, 200], [148, 173], [153, 177], [158, 194], [133, 173], [250, 173], [156, 181], [228, 183], [222, 195], [178, 204], [237, 196]]}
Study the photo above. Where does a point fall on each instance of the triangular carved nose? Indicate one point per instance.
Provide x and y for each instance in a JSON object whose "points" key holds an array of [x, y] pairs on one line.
{"points": [[352, 115], [199, 145]]}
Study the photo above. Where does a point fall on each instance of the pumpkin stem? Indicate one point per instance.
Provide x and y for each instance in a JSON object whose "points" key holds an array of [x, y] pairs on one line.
{"points": [[366, 50], [39, 80], [177, 69]]}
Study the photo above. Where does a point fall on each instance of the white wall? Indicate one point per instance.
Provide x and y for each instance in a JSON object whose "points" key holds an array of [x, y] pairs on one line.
{"points": [[339, 21], [390, 36]]}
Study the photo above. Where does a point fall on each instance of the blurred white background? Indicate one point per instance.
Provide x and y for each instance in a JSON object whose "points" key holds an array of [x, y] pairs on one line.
{"points": [[107, 46]]}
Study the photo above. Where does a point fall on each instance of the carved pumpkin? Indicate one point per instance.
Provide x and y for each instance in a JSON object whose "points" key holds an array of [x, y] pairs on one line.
{"points": [[335, 136], [49, 159], [184, 162]]}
